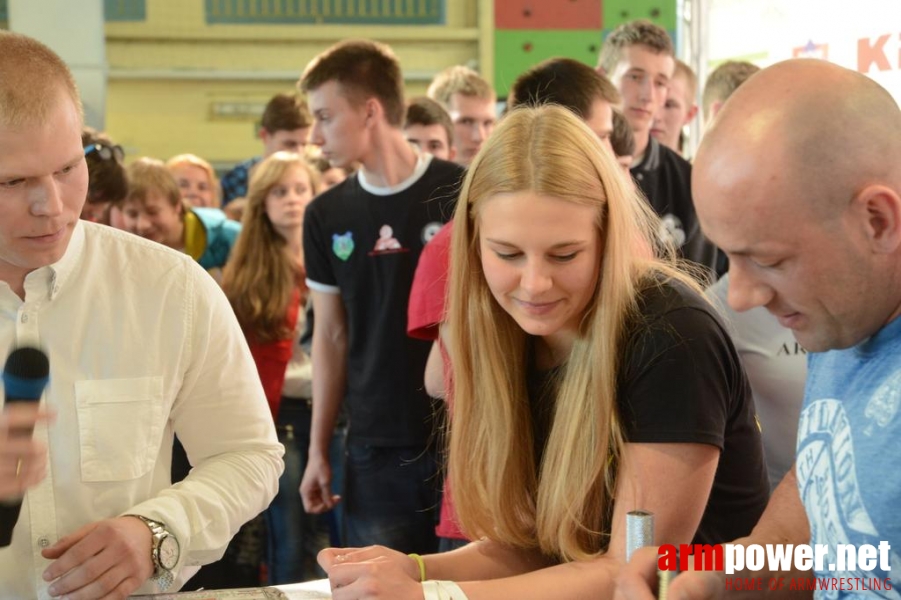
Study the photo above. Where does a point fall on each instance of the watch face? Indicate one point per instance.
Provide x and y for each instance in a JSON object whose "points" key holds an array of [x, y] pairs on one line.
{"points": [[168, 552]]}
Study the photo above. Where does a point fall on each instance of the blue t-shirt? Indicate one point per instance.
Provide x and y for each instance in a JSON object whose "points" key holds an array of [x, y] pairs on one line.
{"points": [[849, 454]]}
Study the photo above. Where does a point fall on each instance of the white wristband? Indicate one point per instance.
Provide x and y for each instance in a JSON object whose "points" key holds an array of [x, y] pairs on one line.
{"points": [[442, 590]]}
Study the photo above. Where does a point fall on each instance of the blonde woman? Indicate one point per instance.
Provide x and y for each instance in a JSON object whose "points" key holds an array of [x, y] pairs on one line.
{"points": [[264, 281], [196, 179], [590, 379]]}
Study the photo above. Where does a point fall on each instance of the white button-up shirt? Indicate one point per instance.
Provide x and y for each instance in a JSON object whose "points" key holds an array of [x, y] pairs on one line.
{"points": [[142, 344]]}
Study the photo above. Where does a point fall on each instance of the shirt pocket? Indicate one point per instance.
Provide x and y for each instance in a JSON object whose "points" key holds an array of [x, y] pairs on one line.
{"points": [[120, 426]]}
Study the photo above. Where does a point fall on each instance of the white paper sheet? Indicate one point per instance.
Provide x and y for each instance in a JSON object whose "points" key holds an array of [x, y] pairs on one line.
{"points": [[310, 590]]}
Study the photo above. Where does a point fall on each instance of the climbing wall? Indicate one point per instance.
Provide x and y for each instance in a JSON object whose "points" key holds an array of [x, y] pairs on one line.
{"points": [[529, 31]]}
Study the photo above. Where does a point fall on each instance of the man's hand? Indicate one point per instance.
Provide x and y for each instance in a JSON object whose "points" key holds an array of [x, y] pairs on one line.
{"points": [[316, 487], [638, 581], [108, 559], [23, 461]]}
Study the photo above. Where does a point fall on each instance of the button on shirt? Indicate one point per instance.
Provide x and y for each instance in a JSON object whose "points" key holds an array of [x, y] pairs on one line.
{"points": [[142, 345]]}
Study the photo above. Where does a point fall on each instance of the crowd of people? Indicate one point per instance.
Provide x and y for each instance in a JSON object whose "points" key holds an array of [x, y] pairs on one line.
{"points": [[429, 349]]}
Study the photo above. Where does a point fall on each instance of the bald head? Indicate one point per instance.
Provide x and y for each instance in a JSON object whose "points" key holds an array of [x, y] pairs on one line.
{"points": [[32, 77], [799, 182], [831, 127]]}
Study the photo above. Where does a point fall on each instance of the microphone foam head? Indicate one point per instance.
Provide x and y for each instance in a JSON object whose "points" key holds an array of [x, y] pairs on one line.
{"points": [[26, 373]]}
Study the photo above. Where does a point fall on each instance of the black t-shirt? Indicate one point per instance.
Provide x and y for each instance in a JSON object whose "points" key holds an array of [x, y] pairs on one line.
{"points": [[665, 179], [681, 381], [365, 247]]}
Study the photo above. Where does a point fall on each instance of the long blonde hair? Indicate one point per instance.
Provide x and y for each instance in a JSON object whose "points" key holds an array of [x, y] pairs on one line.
{"points": [[562, 506], [262, 274]]}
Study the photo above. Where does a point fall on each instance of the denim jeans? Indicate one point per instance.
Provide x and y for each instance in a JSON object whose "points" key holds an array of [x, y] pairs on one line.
{"points": [[392, 497], [295, 537]]}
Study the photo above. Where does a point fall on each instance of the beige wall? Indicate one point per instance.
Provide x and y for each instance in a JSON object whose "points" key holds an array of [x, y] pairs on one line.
{"points": [[178, 85]]}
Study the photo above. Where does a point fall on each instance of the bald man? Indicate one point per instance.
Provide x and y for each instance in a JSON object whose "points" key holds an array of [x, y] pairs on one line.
{"points": [[799, 182]]}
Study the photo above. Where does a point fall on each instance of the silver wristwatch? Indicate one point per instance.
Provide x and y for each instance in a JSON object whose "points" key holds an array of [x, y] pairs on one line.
{"points": [[164, 552]]}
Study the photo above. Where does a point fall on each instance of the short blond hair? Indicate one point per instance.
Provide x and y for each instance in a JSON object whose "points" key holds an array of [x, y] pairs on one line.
{"points": [[691, 82], [634, 33], [148, 175], [724, 80], [459, 80], [29, 72], [195, 161]]}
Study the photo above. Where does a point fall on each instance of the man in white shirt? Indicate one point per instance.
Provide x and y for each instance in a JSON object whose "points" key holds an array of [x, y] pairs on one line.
{"points": [[142, 345]]}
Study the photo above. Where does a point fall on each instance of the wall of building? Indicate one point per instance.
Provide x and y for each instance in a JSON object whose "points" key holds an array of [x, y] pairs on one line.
{"points": [[180, 83], [193, 75], [529, 31], [865, 38]]}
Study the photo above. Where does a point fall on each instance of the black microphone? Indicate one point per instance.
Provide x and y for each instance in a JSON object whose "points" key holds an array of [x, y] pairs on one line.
{"points": [[25, 376]]}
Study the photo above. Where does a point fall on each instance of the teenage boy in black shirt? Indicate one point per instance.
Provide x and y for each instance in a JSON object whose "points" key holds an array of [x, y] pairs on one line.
{"points": [[638, 58], [362, 240]]}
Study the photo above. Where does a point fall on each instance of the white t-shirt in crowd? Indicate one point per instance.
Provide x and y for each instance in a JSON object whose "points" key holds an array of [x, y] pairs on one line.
{"points": [[776, 365]]}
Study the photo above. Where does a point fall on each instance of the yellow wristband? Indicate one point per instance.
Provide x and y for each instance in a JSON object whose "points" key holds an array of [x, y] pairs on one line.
{"points": [[421, 563]]}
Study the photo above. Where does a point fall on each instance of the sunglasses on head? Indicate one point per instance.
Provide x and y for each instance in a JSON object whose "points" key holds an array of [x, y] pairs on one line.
{"points": [[106, 152]]}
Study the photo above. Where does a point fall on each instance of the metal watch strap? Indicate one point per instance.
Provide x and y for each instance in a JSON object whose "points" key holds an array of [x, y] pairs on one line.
{"points": [[161, 576]]}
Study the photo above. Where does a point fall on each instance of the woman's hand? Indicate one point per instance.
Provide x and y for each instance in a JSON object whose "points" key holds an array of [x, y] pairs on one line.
{"points": [[371, 573]]}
